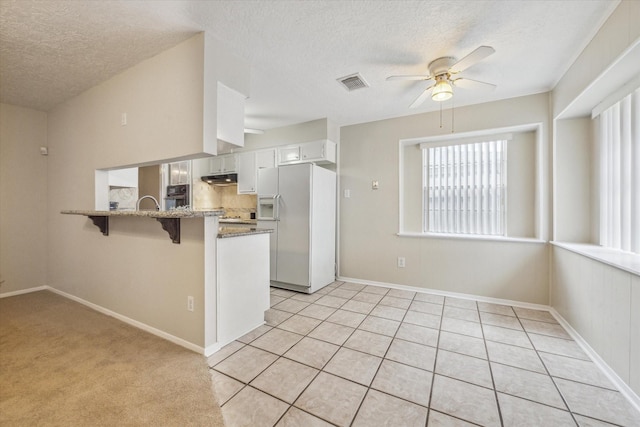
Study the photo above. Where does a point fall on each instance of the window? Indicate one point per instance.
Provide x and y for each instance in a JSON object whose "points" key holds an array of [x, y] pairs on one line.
{"points": [[464, 188], [619, 139]]}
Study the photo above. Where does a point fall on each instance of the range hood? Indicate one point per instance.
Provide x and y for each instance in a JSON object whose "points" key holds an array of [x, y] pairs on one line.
{"points": [[222, 179]]}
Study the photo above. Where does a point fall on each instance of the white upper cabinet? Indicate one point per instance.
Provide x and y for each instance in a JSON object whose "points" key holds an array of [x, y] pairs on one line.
{"points": [[321, 152], [247, 172], [289, 154], [222, 164], [266, 158], [249, 163]]}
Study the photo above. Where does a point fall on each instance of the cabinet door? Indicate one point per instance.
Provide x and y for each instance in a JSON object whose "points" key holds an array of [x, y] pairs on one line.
{"points": [[180, 172], [223, 164], [247, 173], [216, 164], [229, 163], [200, 167], [266, 158], [312, 150], [289, 154]]}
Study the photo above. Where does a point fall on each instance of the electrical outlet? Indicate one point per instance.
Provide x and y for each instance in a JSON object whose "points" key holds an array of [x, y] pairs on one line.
{"points": [[190, 303], [401, 263]]}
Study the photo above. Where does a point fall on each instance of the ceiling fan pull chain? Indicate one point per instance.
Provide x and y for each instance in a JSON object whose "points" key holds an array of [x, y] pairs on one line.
{"points": [[452, 115], [441, 115]]}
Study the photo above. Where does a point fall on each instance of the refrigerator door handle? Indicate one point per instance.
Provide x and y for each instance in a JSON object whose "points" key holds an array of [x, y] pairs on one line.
{"points": [[276, 207]]}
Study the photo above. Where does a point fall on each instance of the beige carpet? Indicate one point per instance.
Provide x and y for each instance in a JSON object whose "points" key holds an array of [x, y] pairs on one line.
{"points": [[62, 363]]}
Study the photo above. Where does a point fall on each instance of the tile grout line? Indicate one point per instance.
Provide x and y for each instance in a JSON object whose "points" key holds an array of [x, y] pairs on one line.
{"points": [[394, 337], [331, 358], [493, 381], [290, 405], [435, 361], [383, 357], [546, 369], [328, 361]]}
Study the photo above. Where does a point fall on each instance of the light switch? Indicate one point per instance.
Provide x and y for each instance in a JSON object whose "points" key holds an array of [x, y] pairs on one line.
{"points": [[374, 185], [347, 194]]}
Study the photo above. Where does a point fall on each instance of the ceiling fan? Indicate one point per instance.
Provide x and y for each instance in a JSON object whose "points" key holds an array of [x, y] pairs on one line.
{"points": [[442, 70]]}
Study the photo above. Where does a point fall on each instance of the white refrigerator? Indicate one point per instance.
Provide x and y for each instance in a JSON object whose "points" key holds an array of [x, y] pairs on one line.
{"points": [[299, 203]]}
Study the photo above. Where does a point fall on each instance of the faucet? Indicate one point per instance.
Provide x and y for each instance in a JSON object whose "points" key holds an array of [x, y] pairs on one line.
{"points": [[147, 197]]}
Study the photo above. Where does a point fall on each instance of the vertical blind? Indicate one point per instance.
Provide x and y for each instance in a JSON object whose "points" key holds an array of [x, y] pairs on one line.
{"points": [[619, 140], [464, 188]]}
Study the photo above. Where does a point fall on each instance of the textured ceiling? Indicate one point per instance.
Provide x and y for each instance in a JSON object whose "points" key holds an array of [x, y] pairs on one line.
{"points": [[53, 50]]}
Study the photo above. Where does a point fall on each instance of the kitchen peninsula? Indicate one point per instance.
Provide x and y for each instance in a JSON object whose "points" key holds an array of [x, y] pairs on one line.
{"points": [[170, 220], [236, 270]]}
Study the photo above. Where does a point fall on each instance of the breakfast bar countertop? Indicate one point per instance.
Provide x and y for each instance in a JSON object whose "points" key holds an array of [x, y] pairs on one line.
{"points": [[170, 220], [224, 232], [175, 213]]}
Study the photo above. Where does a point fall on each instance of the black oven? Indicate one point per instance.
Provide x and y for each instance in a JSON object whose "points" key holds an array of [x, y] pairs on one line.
{"points": [[177, 196]]}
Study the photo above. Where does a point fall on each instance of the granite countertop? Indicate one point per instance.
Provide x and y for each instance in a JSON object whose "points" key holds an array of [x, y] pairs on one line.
{"points": [[177, 213], [238, 221], [225, 232]]}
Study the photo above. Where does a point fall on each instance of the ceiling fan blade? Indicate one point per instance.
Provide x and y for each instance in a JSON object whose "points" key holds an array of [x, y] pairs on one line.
{"points": [[472, 84], [476, 56], [421, 98], [410, 77]]}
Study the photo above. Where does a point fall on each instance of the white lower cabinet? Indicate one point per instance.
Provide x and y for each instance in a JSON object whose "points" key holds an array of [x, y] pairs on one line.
{"points": [[242, 285]]}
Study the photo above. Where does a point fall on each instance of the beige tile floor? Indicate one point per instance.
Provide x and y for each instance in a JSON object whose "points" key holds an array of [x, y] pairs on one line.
{"points": [[356, 355]]}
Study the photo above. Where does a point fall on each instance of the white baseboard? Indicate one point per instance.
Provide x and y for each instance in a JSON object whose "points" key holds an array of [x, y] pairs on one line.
{"points": [[447, 293], [125, 319], [618, 382], [23, 291]]}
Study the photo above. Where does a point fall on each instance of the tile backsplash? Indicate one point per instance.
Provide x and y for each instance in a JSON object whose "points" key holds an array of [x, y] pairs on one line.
{"points": [[126, 197], [206, 196]]}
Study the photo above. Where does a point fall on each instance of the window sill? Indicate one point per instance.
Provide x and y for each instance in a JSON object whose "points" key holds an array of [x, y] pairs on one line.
{"points": [[623, 260], [471, 237]]}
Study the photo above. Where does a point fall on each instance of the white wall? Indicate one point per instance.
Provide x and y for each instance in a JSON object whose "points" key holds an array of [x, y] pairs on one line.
{"points": [[136, 271], [23, 198], [369, 219], [301, 132], [619, 32], [573, 181], [602, 303]]}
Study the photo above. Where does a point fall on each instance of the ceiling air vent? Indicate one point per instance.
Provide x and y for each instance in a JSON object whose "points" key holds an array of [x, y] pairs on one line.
{"points": [[353, 82]]}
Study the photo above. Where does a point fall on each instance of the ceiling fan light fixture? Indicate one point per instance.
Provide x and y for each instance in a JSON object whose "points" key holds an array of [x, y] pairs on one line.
{"points": [[442, 90]]}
